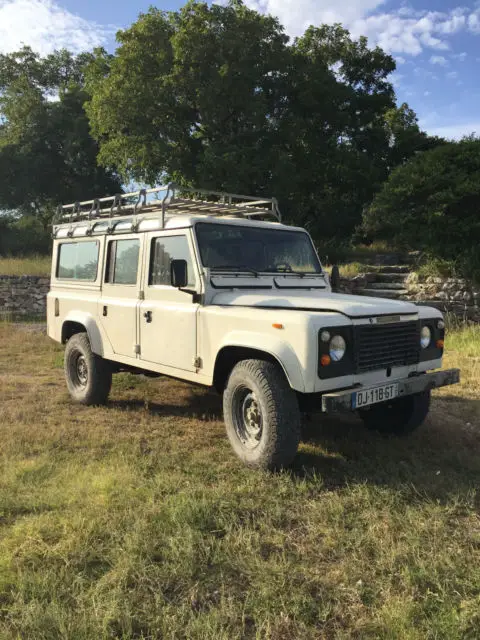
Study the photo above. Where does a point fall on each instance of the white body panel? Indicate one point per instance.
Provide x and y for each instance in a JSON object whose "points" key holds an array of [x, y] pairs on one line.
{"points": [[162, 329]]}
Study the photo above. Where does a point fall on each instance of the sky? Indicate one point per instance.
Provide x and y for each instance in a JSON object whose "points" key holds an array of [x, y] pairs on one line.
{"points": [[436, 44]]}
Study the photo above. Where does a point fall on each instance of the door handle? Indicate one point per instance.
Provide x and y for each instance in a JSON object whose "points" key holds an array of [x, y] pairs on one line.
{"points": [[148, 316], [105, 311]]}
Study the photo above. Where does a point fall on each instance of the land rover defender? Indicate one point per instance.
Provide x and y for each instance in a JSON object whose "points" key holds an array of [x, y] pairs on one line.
{"points": [[212, 288]]}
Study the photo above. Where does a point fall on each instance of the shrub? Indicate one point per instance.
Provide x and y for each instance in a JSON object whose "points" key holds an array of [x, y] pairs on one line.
{"points": [[432, 203]]}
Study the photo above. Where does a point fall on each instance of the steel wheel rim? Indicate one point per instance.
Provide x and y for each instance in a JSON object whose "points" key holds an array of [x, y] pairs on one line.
{"points": [[247, 418], [81, 370]]}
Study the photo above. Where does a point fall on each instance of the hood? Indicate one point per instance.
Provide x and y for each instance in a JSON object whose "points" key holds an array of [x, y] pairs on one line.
{"points": [[351, 306]]}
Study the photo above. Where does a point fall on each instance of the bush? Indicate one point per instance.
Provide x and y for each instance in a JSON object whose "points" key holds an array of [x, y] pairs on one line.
{"points": [[432, 203], [23, 236]]}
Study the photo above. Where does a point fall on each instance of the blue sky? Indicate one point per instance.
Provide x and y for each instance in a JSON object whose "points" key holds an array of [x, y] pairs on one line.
{"points": [[436, 44]]}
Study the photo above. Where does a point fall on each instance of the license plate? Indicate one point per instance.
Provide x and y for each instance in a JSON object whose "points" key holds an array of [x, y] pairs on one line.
{"points": [[366, 397]]}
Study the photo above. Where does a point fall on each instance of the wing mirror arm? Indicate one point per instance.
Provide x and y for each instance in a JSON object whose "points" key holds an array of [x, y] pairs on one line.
{"points": [[179, 278]]}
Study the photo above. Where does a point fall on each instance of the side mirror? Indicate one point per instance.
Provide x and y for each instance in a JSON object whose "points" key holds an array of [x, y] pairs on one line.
{"points": [[179, 273], [335, 279]]}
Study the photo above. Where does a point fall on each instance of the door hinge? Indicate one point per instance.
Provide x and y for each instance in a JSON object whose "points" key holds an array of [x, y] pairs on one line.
{"points": [[136, 349], [197, 363], [141, 295]]}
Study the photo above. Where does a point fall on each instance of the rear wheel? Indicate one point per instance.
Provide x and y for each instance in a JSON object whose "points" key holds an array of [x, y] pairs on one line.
{"points": [[398, 417], [261, 415], [88, 376]]}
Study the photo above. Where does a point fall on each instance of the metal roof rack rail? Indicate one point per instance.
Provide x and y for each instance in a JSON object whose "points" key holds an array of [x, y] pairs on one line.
{"points": [[198, 202]]}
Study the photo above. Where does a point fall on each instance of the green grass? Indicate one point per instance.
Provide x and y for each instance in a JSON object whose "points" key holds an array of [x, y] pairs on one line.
{"points": [[135, 520], [26, 266]]}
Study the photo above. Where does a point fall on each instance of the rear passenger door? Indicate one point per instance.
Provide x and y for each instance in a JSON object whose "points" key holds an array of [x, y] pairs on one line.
{"points": [[120, 293]]}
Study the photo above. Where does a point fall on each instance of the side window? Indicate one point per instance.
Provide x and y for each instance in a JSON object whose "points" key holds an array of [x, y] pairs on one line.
{"points": [[78, 261], [122, 261], [163, 251]]}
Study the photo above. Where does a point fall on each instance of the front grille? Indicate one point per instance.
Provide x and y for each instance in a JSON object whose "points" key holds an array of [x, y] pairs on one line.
{"points": [[383, 346]]}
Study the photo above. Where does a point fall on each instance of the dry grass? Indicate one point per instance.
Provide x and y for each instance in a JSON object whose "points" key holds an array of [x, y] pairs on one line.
{"points": [[136, 521], [27, 266]]}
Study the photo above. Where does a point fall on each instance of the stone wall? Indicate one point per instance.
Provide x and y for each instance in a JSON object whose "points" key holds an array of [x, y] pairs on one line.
{"points": [[26, 295], [23, 296], [450, 295]]}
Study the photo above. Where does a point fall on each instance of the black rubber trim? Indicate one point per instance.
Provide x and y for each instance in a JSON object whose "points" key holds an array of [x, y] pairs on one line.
{"points": [[306, 288], [241, 286]]}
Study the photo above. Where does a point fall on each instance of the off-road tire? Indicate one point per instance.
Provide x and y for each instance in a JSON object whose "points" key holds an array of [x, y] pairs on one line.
{"points": [[278, 407], [398, 417], [88, 376]]}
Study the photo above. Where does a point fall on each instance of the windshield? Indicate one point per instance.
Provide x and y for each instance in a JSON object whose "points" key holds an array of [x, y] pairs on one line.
{"points": [[234, 247]]}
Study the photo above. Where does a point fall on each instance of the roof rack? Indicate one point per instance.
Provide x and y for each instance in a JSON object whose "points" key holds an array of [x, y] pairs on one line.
{"points": [[212, 203]]}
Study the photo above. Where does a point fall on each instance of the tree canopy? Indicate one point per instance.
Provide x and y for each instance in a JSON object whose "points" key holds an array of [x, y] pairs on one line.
{"points": [[47, 154], [218, 97], [432, 203]]}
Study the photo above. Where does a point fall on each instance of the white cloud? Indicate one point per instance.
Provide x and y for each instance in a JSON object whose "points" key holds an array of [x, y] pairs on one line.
{"points": [[460, 56], [402, 31], [452, 75], [296, 15], [441, 60], [400, 59], [46, 26], [453, 131]]}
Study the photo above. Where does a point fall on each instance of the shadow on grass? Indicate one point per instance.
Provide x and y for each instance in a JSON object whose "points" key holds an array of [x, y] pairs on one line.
{"points": [[202, 405], [440, 460]]}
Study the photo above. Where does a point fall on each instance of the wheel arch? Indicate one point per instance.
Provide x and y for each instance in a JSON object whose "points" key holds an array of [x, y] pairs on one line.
{"points": [[231, 354], [80, 322]]}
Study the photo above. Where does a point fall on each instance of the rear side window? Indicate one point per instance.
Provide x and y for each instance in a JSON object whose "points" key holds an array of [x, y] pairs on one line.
{"points": [[78, 261], [122, 262], [163, 251]]}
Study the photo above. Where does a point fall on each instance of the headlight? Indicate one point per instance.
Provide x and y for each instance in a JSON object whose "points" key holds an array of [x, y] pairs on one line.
{"points": [[338, 347], [425, 337]]}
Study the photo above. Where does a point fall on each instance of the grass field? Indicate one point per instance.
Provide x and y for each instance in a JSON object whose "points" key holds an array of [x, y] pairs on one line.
{"points": [[136, 521], [28, 266]]}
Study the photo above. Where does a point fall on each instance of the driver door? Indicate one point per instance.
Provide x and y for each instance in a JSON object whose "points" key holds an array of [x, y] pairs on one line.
{"points": [[168, 317]]}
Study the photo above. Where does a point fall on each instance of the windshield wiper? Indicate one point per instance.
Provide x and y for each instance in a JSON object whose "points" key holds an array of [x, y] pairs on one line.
{"points": [[299, 274], [239, 267]]}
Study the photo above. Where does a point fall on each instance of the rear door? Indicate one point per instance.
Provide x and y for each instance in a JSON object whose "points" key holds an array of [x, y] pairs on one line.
{"points": [[168, 317], [118, 306]]}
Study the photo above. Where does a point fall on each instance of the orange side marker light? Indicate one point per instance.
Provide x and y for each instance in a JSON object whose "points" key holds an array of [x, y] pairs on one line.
{"points": [[325, 361], [277, 326], [440, 344]]}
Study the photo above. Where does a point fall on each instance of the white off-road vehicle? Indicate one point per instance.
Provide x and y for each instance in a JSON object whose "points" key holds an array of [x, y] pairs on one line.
{"points": [[199, 286]]}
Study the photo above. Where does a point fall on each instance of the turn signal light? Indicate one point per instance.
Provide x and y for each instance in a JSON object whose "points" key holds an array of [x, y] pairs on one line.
{"points": [[325, 361], [277, 326], [440, 344]]}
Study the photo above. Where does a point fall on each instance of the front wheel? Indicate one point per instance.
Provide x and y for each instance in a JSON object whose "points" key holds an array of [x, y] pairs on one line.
{"points": [[398, 417], [261, 415], [88, 376]]}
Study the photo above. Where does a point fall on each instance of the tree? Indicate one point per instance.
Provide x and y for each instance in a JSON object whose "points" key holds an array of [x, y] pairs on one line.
{"points": [[217, 96], [431, 203], [47, 154]]}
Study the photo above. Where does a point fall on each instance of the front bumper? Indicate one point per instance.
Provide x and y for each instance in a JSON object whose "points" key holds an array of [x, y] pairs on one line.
{"points": [[342, 400]]}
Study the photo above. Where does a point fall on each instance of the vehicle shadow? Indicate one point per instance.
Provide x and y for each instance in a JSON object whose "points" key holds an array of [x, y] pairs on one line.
{"points": [[196, 404], [440, 460]]}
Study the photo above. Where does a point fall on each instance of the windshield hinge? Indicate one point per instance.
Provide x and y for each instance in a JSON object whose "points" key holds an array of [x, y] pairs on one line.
{"points": [[141, 295]]}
